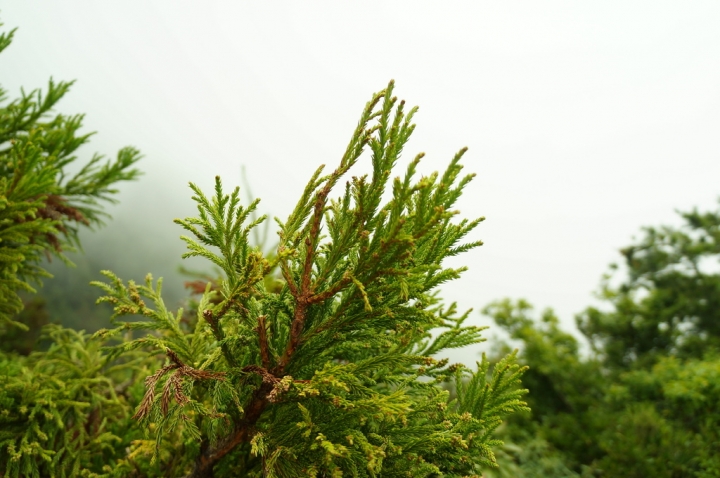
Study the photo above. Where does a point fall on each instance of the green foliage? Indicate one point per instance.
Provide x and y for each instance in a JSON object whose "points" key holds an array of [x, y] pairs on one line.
{"points": [[669, 304], [34, 316], [41, 205], [565, 388], [315, 359], [667, 421], [318, 359], [64, 411], [645, 403], [535, 458]]}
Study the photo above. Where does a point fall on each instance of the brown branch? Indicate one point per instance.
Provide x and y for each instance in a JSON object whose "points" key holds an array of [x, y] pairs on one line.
{"points": [[302, 296], [269, 391], [173, 385], [329, 323], [263, 339], [318, 210], [306, 296], [384, 246], [295, 332], [266, 376], [242, 433], [337, 287]]}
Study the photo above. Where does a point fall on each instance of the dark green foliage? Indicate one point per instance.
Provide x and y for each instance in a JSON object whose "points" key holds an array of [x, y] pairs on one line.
{"points": [[645, 404], [317, 360], [41, 206], [565, 388], [670, 302], [667, 421], [536, 458], [23, 341]]}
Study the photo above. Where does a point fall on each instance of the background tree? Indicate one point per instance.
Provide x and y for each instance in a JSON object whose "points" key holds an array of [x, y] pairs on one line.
{"points": [[669, 302], [645, 402], [63, 411], [41, 205]]}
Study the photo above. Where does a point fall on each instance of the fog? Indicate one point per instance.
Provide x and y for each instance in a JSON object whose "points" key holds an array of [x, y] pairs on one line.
{"points": [[585, 120]]}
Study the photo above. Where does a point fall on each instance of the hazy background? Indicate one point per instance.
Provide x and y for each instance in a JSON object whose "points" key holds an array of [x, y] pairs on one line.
{"points": [[585, 120]]}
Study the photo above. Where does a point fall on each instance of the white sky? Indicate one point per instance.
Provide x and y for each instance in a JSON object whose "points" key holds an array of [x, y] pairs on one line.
{"points": [[585, 120]]}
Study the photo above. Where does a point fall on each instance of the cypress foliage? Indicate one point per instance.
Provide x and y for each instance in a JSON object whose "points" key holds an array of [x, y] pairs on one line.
{"points": [[319, 359], [63, 411], [41, 205]]}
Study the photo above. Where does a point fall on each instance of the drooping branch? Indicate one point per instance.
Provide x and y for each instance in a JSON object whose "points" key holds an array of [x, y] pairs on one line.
{"points": [[173, 385]]}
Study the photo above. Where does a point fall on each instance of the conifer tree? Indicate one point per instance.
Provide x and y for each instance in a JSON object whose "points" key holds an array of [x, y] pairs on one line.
{"points": [[320, 359], [668, 303], [41, 205]]}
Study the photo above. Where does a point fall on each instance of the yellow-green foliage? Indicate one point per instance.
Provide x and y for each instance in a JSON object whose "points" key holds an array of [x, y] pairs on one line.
{"points": [[64, 411]]}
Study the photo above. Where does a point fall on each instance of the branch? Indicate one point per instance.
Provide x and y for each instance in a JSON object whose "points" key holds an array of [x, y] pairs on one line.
{"points": [[304, 295], [263, 339], [306, 290], [242, 432], [219, 335], [288, 277], [333, 290]]}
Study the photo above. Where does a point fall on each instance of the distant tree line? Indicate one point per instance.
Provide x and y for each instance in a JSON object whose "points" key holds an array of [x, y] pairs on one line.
{"points": [[646, 402]]}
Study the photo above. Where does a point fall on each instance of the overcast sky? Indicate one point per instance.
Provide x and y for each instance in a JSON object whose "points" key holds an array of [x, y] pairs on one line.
{"points": [[585, 120]]}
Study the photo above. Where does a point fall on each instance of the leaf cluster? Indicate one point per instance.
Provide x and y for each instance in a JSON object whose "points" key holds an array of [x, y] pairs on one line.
{"points": [[669, 303]]}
